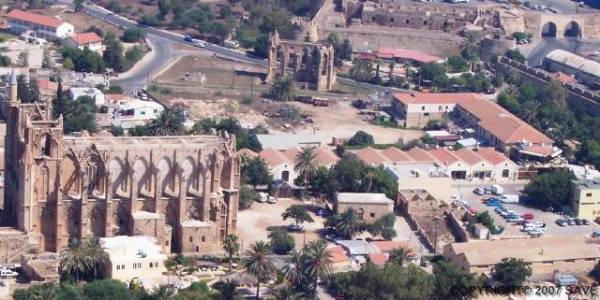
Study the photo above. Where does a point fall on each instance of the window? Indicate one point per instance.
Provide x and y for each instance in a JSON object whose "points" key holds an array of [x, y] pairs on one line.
{"points": [[505, 173], [372, 215], [122, 267], [197, 249], [426, 114], [118, 267], [191, 239], [407, 21], [422, 107], [166, 243], [440, 108], [150, 265], [392, 20], [143, 112], [203, 239], [588, 194]]}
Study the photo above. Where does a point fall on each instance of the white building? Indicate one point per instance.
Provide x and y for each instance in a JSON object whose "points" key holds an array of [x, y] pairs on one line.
{"points": [[43, 26], [133, 257], [88, 40], [132, 113], [94, 93]]}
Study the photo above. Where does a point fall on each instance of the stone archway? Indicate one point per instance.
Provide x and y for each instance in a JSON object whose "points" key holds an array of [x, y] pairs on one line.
{"points": [[572, 30], [549, 30]]}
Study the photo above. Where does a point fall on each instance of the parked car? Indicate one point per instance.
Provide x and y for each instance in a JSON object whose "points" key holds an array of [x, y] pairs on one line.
{"points": [[272, 200], [263, 197], [496, 189], [578, 222], [586, 222], [188, 38], [479, 191], [296, 228], [8, 273], [539, 224], [571, 221], [596, 234], [527, 216], [561, 222]]}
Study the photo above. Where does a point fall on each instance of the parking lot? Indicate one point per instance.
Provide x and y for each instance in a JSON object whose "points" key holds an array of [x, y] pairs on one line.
{"points": [[510, 230]]}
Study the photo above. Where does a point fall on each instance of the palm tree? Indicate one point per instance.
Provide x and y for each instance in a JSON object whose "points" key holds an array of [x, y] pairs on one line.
{"points": [[98, 257], [168, 122], [297, 212], [45, 291], [369, 177], [231, 246], [293, 269], [163, 292], [349, 223], [285, 292], [317, 262], [399, 256], [256, 263], [306, 164], [228, 289], [75, 260]]}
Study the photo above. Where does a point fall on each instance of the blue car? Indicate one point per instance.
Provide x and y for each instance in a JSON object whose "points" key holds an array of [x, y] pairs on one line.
{"points": [[494, 204]]}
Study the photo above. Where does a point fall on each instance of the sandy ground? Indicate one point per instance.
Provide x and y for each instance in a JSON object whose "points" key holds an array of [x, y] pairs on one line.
{"points": [[82, 22], [341, 120], [15, 46], [253, 222]]}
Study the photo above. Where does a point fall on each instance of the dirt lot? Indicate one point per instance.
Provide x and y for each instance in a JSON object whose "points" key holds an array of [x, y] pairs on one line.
{"points": [[82, 22], [253, 222], [341, 120]]}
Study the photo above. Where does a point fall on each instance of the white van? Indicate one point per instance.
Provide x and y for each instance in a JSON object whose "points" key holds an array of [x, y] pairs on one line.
{"points": [[510, 199], [8, 273]]}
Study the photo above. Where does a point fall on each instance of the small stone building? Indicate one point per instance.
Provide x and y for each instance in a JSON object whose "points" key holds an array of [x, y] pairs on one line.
{"points": [[369, 206]]}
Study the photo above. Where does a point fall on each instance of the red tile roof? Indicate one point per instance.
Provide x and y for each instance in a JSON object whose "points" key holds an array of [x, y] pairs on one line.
{"points": [[468, 156], [273, 157], [444, 156], [491, 155], [407, 54], [86, 38], [435, 98], [337, 254], [325, 156], [512, 129], [420, 155], [34, 18], [378, 259], [371, 156], [396, 155]]}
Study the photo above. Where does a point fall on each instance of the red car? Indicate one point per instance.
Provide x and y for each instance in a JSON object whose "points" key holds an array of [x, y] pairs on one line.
{"points": [[527, 216]]}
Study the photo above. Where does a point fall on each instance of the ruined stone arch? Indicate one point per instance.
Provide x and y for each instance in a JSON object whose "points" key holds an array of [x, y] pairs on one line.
{"points": [[572, 29], [190, 173], [95, 174], [549, 29]]}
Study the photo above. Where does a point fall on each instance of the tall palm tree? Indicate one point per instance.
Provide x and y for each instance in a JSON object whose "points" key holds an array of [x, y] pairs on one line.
{"points": [[168, 122], [306, 164], [231, 245], [370, 177], [256, 263], [349, 223], [97, 256], [75, 260], [293, 271], [399, 256], [228, 289], [163, 292], [317, 262]]}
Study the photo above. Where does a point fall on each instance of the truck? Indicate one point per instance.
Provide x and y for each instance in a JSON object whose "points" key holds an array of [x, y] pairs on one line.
{"points": [[510, 199], [496, 189]]}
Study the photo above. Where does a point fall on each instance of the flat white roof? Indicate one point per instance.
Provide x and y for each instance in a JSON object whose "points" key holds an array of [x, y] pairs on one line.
{"points": [[287, 140], [375, 198], [125, 248], [137, 104], [85, 91]]}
